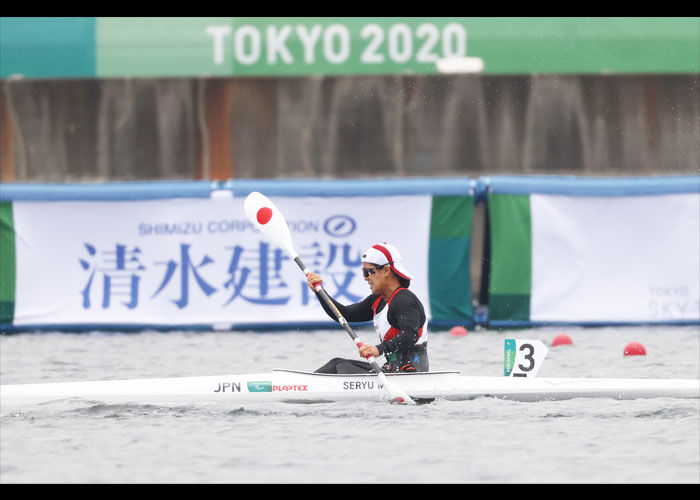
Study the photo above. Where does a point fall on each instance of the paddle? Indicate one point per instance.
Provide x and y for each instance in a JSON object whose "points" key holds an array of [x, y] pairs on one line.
{"points": [[268, 219]]}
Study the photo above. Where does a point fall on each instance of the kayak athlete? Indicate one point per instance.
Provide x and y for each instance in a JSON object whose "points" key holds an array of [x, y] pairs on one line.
{"points": [[397, 314]]}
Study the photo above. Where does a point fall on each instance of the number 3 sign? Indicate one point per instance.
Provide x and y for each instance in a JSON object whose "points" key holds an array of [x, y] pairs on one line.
{"points": [[523, 358]]}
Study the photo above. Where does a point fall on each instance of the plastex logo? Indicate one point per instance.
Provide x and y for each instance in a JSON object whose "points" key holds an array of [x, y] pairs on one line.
{"points": [[259, 386]]}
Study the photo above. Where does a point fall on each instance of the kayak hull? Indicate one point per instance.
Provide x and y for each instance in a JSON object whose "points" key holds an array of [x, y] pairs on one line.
{"points": [[304, 387]]}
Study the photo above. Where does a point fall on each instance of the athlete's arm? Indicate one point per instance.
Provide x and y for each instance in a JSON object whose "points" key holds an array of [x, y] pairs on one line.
{"points": [[361, 311]]}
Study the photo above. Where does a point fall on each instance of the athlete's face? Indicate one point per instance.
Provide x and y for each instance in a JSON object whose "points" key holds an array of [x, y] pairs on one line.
{"points": [[375, 276]]}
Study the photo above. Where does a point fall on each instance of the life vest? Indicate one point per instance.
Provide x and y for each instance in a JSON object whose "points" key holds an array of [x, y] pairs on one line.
{"points": [[385, 330]]}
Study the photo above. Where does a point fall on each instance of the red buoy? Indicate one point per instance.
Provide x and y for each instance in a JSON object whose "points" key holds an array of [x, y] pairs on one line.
{"points": [[458, 331], [562, 339], [635, 349]]}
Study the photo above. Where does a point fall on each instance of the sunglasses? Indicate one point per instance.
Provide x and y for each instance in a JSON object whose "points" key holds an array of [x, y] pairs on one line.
{"points": [[369, 271]]}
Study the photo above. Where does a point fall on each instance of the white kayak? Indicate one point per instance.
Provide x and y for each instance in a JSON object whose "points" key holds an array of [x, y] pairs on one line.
{"points": [[304, 387]]}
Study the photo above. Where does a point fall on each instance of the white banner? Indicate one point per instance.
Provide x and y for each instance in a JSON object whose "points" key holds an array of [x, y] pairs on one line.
{"points": [[200, 261], [632, 258]]}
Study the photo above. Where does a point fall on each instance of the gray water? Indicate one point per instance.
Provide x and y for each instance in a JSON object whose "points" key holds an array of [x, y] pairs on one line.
{"points": [[484, 440]]}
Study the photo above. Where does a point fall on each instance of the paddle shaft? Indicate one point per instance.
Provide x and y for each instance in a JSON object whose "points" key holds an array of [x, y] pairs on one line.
{"points": [[341, 318]]}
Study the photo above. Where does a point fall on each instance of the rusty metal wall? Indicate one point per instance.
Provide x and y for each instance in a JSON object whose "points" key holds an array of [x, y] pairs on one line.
{"points": [[349, 126]]}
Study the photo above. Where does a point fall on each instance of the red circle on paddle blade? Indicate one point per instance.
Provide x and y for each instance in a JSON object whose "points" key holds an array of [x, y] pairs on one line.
{"points": [[264, 215]]}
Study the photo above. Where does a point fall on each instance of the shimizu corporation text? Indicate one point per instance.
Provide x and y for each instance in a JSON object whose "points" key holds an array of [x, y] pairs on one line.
{"points": [[218, 226]]}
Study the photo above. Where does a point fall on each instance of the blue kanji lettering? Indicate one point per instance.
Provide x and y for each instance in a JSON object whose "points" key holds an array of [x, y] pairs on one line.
{"points": [[119, 274], [341, 271], [187, 268], [266, 266]]}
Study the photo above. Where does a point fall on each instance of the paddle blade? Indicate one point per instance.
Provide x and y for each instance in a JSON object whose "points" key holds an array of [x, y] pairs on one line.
{"points": [[396, 394], [267, 218]]}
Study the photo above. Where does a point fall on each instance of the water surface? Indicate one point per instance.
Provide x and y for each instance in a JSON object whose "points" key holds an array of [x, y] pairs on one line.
{"points": [[479, 441]]}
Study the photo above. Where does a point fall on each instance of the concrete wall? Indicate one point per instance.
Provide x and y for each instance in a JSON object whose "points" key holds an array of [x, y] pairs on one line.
{"points": [[348, 126]]}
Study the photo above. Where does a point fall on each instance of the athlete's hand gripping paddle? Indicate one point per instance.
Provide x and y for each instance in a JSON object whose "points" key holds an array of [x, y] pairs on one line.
{"points": [[268, 219]]}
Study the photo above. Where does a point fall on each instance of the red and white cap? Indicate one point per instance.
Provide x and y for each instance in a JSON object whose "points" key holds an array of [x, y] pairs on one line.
{"points": [[386, 254]]}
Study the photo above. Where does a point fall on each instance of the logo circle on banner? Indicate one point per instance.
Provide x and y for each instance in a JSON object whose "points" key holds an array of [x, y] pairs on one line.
{"points": [[339, 225]]}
